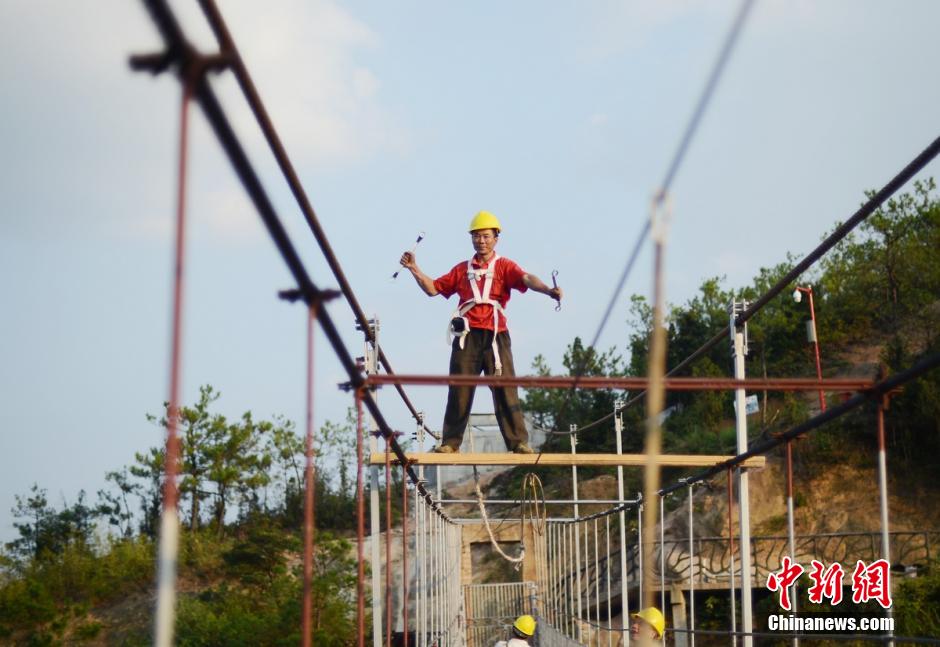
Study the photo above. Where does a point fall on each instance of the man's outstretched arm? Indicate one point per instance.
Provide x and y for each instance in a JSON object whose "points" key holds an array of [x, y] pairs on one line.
{"points": [[424, 281], [535, 283]]}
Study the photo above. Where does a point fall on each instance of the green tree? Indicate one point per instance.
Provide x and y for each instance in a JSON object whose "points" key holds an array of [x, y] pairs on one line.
{"points": [[237, 464], [117, 507], [557, 409], [46, 532], [149, 469], [196, 427]]}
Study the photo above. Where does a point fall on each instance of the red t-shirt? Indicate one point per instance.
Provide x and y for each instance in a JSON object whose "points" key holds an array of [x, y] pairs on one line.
{"points": [[507, 276]]}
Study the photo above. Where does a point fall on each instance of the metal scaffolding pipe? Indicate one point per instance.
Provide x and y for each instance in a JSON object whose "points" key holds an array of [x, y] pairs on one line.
{"points": [[739, 347], [404, 560], [564, 502], [610, 613], [879, 389], [791, 531], [787, 384], [734, 620], [873, 204], [360, 526], [577, 536], [641, 575], [622, 519], [168, 543], [309, 490], [662, 554], [691, 572], [883, 494]]}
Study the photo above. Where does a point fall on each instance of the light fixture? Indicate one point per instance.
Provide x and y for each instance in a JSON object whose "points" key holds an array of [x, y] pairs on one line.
{"points": [[797, 295]]}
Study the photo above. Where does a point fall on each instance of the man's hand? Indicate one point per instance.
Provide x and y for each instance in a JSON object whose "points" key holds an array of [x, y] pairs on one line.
{"points": [[425, 282], [556, 294]]}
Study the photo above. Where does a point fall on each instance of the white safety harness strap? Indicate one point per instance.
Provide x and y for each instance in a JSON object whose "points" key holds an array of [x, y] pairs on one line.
{"points": [[473, 275]]}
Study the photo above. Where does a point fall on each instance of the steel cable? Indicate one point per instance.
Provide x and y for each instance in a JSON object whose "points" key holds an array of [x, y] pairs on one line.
{"points": [[245, 82], [671, 172], [181, 51]]}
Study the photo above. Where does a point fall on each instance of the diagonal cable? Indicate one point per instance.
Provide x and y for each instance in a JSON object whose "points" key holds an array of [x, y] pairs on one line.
{"points": [[188, 58], [672, 170], [230, 50]]}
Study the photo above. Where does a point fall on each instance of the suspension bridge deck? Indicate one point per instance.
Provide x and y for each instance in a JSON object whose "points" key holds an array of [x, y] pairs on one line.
{"points": [[565, 460]]}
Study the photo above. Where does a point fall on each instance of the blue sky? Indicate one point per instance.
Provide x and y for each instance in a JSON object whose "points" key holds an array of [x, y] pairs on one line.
{"points": [[401, 117]]}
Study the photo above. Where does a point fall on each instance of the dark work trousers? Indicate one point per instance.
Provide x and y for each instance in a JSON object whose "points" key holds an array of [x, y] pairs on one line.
{"points": [[476, 357]]}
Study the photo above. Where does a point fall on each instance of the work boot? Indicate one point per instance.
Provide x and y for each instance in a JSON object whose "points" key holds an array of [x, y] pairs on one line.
{"points": [[445, 449], [522, 448]]}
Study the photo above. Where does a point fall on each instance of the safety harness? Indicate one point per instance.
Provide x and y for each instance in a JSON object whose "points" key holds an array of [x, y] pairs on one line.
{"points": [[473, 275]]}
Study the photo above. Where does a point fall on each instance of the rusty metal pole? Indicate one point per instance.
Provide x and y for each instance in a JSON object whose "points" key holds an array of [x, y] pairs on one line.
{"points": [[404, 557], [791, 533], [360, 527], [734, 619], [169, 518], [883, 495], [641, 571], [622, 521], [610, 613], [573, 437], [662, 554], [812, 317], [310, 492], [388, 545], [691, 571], [655, 399]]}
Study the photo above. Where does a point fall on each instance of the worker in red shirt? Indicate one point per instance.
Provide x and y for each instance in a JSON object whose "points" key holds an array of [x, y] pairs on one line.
{"points": [[480, 335]]}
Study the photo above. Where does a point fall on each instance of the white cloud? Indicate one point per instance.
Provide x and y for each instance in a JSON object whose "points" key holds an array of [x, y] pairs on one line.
{"points": [[230, 217], [617, 26], [614, 27], [88, 122], [305, 58]]}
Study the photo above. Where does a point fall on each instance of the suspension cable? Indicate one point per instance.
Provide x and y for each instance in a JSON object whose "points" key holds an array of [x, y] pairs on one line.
{"points": [[178, 47], [253, 98], [873, 203], [672, 170], [885, 386]]}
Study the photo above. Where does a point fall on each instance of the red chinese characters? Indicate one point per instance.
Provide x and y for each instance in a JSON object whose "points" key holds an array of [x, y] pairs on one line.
{"points": [[827, 583], [872, 582], [869, 582], [782, 580]]}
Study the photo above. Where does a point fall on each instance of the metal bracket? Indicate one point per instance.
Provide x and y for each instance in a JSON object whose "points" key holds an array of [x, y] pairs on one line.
{"points": [[373, 325], [192, 64], [319, 296], [734, 310]]}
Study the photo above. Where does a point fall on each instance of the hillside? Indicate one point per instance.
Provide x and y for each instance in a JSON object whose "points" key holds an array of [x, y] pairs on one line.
{"points": [[83, 573]]}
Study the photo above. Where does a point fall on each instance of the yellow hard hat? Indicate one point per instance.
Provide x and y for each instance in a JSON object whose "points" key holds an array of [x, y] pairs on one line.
{"points": [[484, 220], [654, 618], [525, 625]]}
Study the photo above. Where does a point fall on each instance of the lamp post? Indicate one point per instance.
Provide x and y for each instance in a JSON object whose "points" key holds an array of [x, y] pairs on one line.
{"points": [[791, 521], [811, 333]]}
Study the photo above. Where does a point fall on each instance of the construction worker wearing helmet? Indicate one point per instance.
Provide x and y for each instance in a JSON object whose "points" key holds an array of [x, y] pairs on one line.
{"points": [[481, 340], [523, 629], [648, 625]]}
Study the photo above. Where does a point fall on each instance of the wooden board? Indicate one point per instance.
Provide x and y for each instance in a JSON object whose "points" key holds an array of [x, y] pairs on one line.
{"points": [[561, 460]]}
